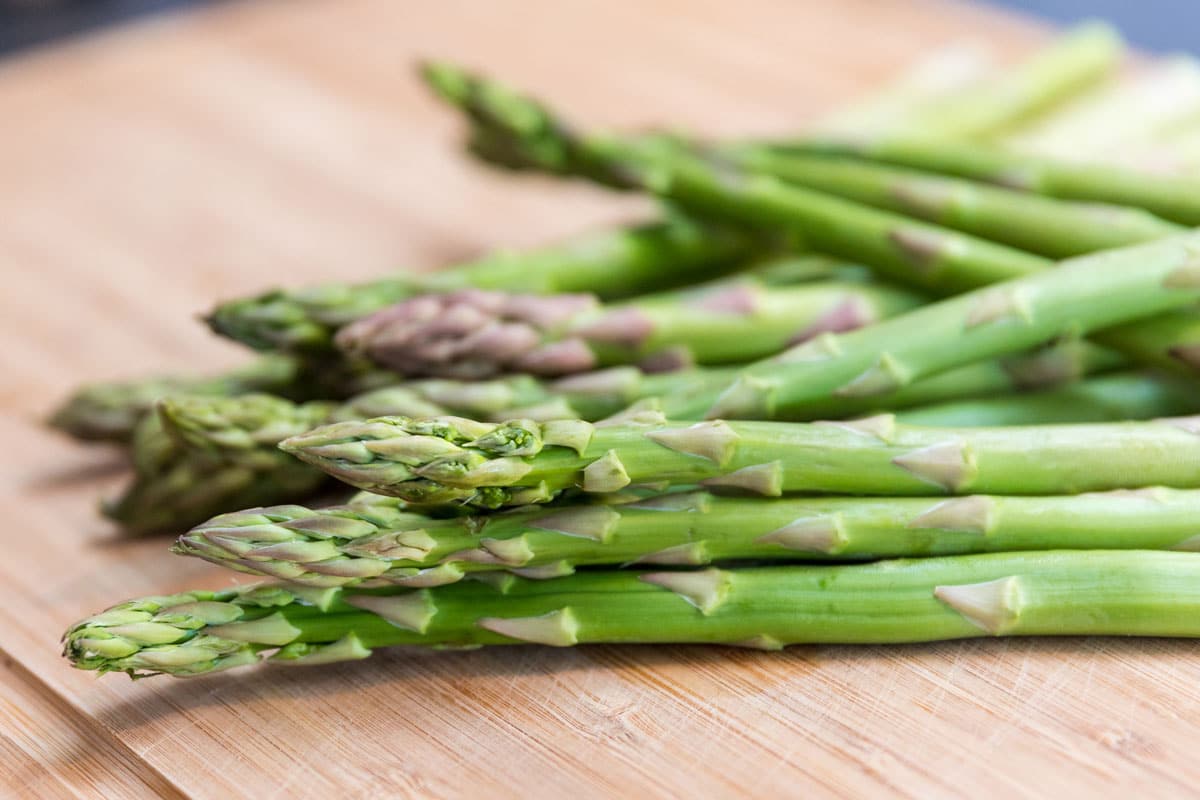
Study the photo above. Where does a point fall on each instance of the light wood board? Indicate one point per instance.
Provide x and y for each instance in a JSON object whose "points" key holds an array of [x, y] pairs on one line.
{"points": [[148, 171]]}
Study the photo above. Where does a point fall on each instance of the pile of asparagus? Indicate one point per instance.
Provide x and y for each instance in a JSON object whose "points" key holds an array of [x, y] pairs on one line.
{"points": [[901, 378]]}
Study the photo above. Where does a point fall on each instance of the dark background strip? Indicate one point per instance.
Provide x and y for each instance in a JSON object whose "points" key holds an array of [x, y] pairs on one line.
{"points": [[1160, 25]]}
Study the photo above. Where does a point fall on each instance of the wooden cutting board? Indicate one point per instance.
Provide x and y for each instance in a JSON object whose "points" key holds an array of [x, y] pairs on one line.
{"points": [[146, 172]]}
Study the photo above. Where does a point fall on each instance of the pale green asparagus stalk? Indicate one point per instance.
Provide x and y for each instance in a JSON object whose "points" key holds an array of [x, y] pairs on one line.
{"points": [[450, 460], [227, 424], [955, 71], [1075, 61], [1171, 341], [222, 454], [369, 547], [1100, 592], [1118, 118]]}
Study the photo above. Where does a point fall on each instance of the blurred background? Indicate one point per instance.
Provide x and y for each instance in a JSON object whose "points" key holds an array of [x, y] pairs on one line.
{"points": [[1152, 24]]}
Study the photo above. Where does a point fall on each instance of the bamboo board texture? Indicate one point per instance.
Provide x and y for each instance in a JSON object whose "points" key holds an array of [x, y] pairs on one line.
{"points": [[150, 170]]}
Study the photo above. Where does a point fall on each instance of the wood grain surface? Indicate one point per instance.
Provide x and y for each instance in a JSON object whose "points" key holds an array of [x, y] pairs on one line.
{"points": [[148, 171]]}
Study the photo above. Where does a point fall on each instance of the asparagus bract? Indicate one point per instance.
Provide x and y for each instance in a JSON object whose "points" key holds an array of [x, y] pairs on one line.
{"points": [[361, 546], [451, 460], [1128, 593]]}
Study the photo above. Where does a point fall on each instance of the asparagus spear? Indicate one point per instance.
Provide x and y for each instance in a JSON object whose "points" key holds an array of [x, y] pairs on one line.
{"points": [[1132, 593], [478, 334], [370, 547], [1053, 228], [1173, 197], [613, 263], [451, 460], [1108, 398]]}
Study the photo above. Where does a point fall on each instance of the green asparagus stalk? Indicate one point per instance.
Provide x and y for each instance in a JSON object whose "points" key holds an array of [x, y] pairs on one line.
{"points": [[474, 334], [1119, 592], [611, 264], [1108, 398], [368, 547], [1053, 228], [1172, 197], [451, 460], [1045, 368]]}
